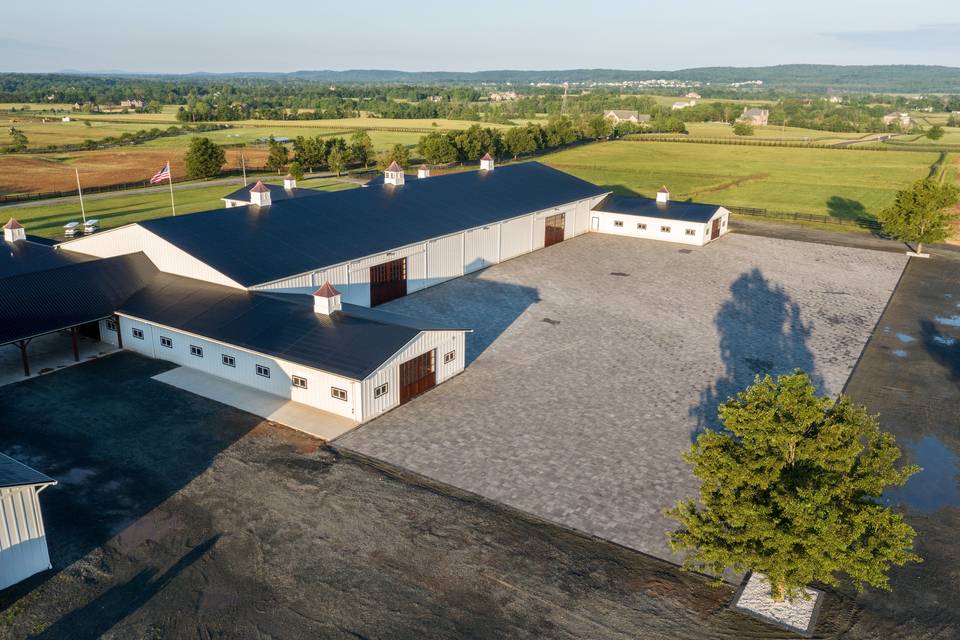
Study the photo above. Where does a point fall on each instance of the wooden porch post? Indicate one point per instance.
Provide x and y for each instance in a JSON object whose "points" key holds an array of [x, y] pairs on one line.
{"points": [[76, 347], [22, 345]]}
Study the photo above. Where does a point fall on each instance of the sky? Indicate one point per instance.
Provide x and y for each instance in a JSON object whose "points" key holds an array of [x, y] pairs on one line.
{"points": [[181, 36]]}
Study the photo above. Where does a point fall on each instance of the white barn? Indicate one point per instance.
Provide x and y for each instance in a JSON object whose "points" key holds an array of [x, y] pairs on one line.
{"points": [[280, 295], [23, 538], [660, 219]]}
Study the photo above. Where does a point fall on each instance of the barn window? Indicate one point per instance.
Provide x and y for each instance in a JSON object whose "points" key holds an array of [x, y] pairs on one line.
{"points": [[723, 223], [664, 229], [449, 357], [642, 226], [299, 383], [228, 361], [111, 324], [137, 333], [339, 394], [618, 223], [380, 391], [166, 342], [196, 351], [690, 232], [263, 371]]}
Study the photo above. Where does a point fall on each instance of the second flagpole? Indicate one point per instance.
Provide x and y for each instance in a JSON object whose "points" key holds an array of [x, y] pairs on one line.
{"points": [[173, 207]]}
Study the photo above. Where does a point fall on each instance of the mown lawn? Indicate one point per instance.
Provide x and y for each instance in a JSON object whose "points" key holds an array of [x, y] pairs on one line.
{"points": [[838, 182], [48, 220]]}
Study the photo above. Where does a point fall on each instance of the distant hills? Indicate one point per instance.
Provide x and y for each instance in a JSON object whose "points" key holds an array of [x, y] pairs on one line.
{"points": [[801, 77]]}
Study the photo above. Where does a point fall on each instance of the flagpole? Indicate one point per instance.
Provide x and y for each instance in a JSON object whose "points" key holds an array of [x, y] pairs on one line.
{"points": [[173, 207], [244, 165], [80, 193]]}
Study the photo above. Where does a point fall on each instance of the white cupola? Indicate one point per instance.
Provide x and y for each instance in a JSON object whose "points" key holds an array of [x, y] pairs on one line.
{"points": [[486, 162], [423, 171], [663, 195], [393, 174], [289, 182], [13, 231], [260, 195], [326, 299]]}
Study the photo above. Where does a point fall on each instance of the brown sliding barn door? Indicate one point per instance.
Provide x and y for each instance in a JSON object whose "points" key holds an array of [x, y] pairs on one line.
{"points": [[715, 231], [416, 376], [553, 229], [388, 281]]}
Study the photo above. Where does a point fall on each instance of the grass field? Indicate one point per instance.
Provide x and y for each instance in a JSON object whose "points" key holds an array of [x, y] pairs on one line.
{"points": [[723, 130], [822, 181], [48, 220]]}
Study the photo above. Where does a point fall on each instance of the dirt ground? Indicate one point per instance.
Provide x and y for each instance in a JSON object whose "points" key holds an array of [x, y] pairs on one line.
{"points": [[32, 173]]}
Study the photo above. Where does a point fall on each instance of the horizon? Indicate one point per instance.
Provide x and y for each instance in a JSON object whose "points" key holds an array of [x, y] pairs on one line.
{"points": [[532, 36]]}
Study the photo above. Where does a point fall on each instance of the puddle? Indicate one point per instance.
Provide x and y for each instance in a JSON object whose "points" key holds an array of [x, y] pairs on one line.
{"points": [[900, 353], [937, 486], [904, 338], [945, 340], [952, 321], [77, 475]]}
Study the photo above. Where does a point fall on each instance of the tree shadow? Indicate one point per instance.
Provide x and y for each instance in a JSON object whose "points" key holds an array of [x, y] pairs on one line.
{"points": [[621, 190], [846, 208], [102, 429], [943, 348], [116, 603], [760, 331]]}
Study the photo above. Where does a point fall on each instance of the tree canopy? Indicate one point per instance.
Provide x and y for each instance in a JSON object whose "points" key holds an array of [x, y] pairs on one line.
{"points": [[742, 129], [204, 158], [921, 213], [790, 488], [278, 157]]}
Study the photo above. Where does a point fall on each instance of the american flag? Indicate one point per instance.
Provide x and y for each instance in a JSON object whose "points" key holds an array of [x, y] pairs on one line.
{"points": [[163, 174]]}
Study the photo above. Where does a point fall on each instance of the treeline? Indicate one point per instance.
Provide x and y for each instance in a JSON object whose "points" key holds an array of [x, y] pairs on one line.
{"points": [[20, 142]]}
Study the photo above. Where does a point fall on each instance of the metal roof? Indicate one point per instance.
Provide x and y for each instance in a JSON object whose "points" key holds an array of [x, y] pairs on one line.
{"points": [[254, 245], [39, 302], [17, 474], [277, 193], [349, 343], [650, 208], [25, 256]]}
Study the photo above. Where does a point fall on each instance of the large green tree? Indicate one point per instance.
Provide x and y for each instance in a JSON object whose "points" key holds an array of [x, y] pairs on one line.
{"points": [[791, 489], [278, 157], [921, 213], [437, 148], [204, 158], [397, 152], [361, 148], [336, 160], [935, 132]]}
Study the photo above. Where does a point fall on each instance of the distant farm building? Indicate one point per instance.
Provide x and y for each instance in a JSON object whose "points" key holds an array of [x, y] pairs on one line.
{"points": [[692, 95], [898, 117], [754, 116], [683, 104], [617, 116], [503, 96], [131, 104]]}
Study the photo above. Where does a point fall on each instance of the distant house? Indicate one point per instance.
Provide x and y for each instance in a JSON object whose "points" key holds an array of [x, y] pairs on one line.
{"points": [[503, 96], [65, 119], [618, 115], [435, 98], [756, 117], [131, 104], [683, 104], [836, 99], [693, 95], [898, 117]]}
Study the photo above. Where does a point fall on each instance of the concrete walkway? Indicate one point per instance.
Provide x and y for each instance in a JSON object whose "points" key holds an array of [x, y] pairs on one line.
{"points": [[295, 415]]}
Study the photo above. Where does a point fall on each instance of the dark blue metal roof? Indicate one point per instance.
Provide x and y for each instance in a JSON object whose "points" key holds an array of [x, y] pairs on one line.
{"points": [[17, 474], [255, 245], [40, 302], [25, 256], [650, 208], [285, 326], [277, 193]]}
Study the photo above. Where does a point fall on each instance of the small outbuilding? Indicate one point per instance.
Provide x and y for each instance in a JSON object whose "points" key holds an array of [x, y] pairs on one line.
{"points": [[660, 219], [23, 538]]}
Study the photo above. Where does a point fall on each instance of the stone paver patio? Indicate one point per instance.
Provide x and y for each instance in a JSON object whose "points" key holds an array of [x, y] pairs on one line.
{"points": [[594, 364]]}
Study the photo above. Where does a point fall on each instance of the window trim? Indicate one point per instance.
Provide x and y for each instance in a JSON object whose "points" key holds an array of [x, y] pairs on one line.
{"points": [[224, 358], [262, 370], [166, 341], [641, 226], [381, 390], [196, 351], [137, 333], [618, 223], [112, 325], [665, 229], [337, 392], [690, 232], [450, 356], [298, 381]]}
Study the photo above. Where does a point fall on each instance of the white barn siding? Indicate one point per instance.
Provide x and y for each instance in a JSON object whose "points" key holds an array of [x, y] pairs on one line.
{"points": [[442, 341], [319, 383], [23, 539], [654, 227], [444, 259], [538, 228], [108, 335], [516, 237], [481, 248], [167, 257]]}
